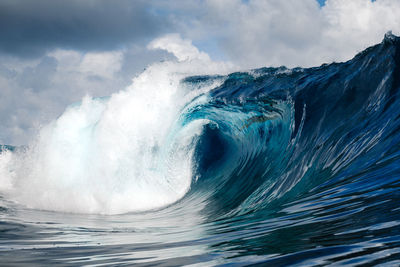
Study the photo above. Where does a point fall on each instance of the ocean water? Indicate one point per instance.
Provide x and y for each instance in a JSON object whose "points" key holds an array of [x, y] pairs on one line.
{"points": [[272, 166]]}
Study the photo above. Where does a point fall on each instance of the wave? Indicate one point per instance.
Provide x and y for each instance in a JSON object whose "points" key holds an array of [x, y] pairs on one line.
{"points": [[241, 143]]}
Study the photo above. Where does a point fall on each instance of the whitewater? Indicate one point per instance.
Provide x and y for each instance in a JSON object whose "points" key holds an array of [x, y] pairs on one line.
{"points": [[197, 163]]}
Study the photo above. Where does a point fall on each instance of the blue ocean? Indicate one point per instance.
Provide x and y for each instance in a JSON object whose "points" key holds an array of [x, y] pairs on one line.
{"points": [[268, 167]]}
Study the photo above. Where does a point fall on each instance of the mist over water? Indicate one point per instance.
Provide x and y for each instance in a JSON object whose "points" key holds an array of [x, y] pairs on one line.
{"points": [[191, 165]]}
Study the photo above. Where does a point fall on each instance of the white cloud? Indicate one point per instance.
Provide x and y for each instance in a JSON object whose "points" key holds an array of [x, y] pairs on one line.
{"points": [[352, 26], [259, 33], [249, 34], [103, 64], [182, 49], [185, 52]]}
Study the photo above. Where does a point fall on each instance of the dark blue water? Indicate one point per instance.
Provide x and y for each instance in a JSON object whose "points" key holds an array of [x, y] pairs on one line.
{"points": [[294, 167]]}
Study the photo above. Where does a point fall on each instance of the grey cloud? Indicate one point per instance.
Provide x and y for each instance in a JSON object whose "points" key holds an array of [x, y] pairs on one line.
{"points": [[29, 28], [7, 73], [37, 86], [39, 77]]}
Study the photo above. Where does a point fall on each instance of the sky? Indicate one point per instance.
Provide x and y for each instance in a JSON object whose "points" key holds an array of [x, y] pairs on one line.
{"points": [[54, 52]]}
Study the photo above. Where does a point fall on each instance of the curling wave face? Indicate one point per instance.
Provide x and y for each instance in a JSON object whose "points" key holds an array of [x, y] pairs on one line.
{"points": [[128, 152], [273, 166]]}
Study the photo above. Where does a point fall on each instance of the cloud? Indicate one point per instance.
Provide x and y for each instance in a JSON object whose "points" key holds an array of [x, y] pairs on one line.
{"points": [[101, 64], [39, 76], [54, 52], [191, 61], [257, 33], [353, 26], [250, 33], [30, 28], [182, 49]]}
